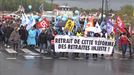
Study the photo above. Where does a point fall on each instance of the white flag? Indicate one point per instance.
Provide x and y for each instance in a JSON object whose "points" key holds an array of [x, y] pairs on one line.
{"points": [[24, 20]]}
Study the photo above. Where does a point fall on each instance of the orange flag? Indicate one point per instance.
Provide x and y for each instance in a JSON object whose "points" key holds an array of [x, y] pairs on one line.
{"points": [[90, 22]]}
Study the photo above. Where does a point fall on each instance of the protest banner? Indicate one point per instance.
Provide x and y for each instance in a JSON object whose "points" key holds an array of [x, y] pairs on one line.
{"points": [[76, 44], [69, 25]]}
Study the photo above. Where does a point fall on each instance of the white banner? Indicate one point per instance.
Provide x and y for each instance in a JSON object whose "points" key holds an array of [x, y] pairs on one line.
{"points": [[65, 43]]}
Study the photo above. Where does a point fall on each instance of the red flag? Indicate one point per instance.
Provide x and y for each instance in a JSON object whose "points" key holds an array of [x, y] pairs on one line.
{"points": [[120, 25], [43, 24], [115, 27]]}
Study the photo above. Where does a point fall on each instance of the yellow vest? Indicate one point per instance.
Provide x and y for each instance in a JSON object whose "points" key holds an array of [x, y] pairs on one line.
{"points": [[78, 34]]}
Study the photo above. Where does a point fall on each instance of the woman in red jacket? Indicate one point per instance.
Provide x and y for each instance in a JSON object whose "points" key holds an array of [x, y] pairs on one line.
{"points": [[124, 42]]}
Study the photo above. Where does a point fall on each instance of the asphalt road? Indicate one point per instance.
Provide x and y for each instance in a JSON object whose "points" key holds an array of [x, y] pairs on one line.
{"points": [[26, 63]]}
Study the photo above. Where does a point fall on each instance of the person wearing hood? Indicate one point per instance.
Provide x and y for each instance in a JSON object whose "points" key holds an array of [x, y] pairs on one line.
{"points": [[31, 40], [15, 38]]}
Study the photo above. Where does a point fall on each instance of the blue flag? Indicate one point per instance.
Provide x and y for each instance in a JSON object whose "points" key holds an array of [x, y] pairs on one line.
{"points": [[31, 22], [109, 26], [85, 24], [24, 20]]}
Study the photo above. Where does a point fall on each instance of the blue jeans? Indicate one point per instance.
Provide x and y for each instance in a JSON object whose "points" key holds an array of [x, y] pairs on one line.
{"points": [[22, 43], [42, 47], [48, 45], [124, 49]]}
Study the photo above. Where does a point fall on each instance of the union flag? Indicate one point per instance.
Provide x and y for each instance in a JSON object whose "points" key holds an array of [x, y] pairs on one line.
{"points": [[43, 24]]}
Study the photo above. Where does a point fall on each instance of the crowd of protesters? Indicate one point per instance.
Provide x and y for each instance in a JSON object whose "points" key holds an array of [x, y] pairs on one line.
{"points": [[16, 36]]}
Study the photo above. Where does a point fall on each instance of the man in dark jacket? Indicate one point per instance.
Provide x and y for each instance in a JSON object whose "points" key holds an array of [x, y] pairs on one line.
{"points": [[7, 32], [43, 40], [23, 35]]}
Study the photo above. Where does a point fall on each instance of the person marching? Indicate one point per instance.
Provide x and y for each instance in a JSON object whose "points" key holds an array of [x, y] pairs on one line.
{"points": [[15, 38], [31, 40], [124, 42], [43, 41]]}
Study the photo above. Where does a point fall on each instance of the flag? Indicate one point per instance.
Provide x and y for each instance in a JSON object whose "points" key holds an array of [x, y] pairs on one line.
{"points": [[103, 25], [89, 25], [90, 22], [57, 23], [77, 23], [109, 26], [31, 22], [69, 25], [115, 27], [43, 24], [120, 25], [24, 19], [76, 20], [85, 24], [97, 28]]}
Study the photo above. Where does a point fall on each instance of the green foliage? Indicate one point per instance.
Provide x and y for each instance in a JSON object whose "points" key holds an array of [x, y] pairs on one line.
{"points": [[126, 12], [12, 5]]}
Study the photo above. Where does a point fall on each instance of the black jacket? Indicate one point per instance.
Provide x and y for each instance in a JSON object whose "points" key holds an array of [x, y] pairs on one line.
{"points": [[7, 31], [42, 38], [23, 34]]}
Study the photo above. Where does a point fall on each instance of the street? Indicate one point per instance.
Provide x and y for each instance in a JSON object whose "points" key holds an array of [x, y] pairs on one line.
{"points": [[29, 62], [66, 37]]}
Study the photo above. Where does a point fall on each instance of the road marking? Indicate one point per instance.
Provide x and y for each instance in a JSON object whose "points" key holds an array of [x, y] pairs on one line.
{"points": [[63, 58], [11, 58], [10, 51], [38, 50], [29, 57], [47, 58], [79, 58], [29, 52]]}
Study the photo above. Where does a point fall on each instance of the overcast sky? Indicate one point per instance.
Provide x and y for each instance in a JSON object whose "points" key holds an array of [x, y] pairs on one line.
{"points": [[89, 4]]}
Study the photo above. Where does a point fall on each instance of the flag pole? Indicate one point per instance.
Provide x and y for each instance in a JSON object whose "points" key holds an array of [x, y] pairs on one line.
{"points": [[106, 12], [102, 11]]}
